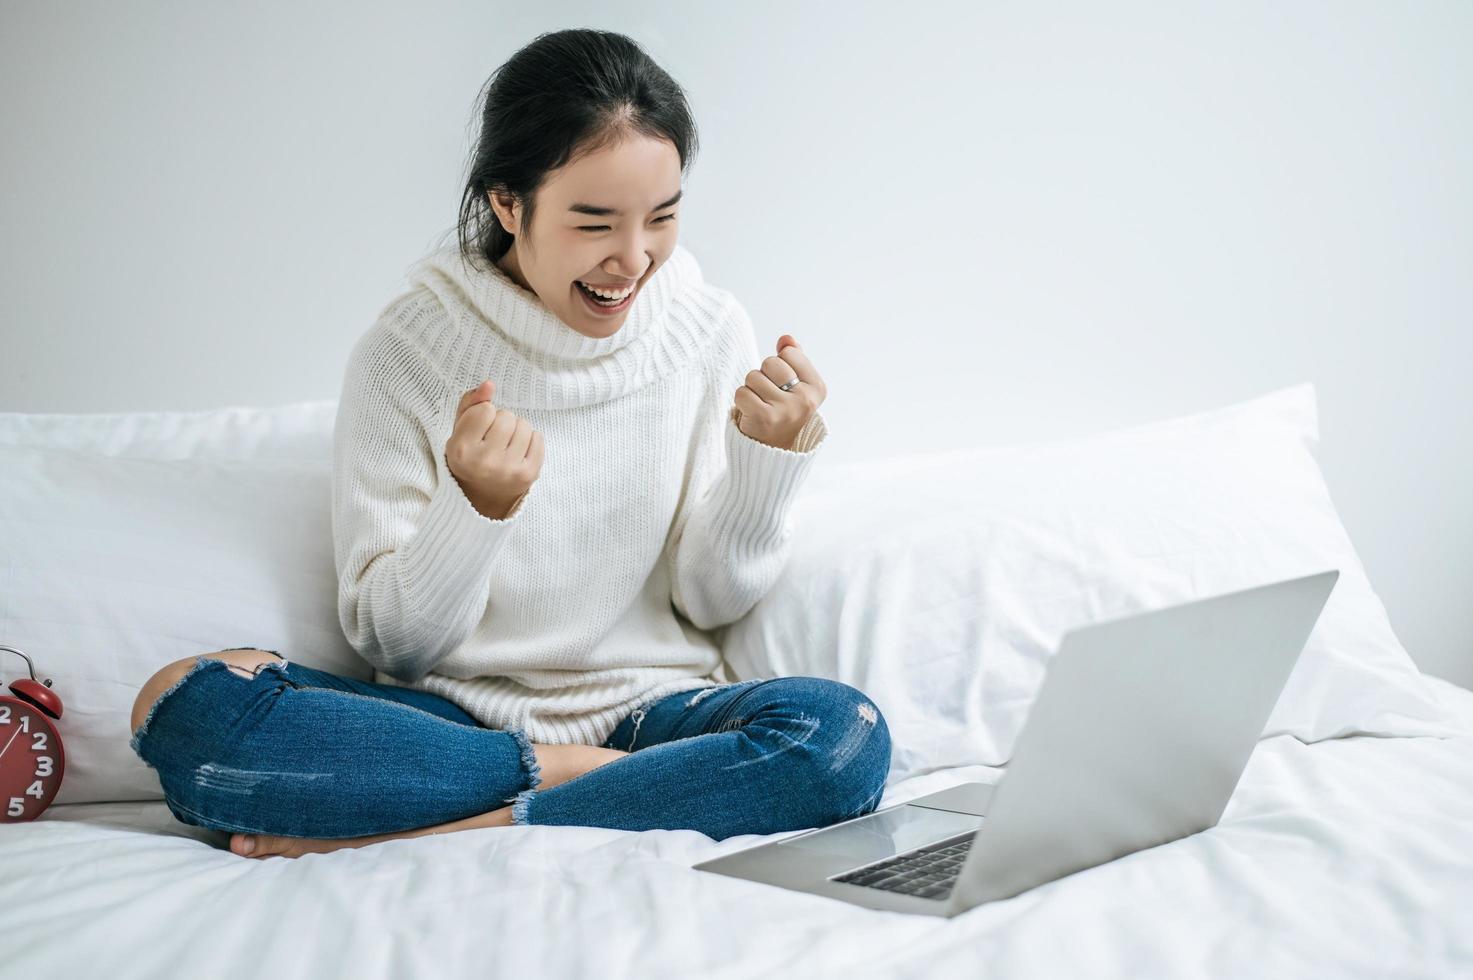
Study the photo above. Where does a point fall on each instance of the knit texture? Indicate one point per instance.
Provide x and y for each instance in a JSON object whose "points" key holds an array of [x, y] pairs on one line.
{"points": [[654, 522]]}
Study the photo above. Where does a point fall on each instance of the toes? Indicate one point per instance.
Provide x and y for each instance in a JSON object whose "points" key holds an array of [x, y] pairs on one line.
{"points": [[260, 845]]}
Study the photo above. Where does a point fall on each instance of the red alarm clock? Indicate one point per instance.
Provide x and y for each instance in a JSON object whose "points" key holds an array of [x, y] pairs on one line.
{"points": [[31, 757]]}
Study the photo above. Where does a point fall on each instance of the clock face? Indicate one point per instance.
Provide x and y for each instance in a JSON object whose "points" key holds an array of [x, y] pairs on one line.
{"points": [[30, 761]]}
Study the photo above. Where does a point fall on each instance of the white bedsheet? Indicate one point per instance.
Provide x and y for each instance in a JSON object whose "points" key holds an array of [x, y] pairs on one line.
{"points": [[1345, 858]]}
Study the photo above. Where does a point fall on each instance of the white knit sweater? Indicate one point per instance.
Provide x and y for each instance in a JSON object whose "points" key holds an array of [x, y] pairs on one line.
{"points": [[654, 522]]}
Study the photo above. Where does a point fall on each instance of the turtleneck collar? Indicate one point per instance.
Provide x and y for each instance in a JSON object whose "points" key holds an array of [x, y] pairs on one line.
{"points": [[481, 291], [489, 327]]}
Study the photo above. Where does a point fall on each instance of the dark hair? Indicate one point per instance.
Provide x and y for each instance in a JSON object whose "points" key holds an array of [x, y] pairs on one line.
{"points": [[563, 96]]}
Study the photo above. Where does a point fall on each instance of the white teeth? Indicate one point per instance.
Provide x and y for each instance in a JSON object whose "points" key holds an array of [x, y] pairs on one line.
{"points": [[606, 294]]}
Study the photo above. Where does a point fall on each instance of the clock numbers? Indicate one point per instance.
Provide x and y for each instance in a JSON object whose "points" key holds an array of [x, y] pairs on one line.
{"points": [[19, 723]]}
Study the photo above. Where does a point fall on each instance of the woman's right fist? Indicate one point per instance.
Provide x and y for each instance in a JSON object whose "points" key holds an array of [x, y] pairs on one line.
{"points": [[494, 455]]}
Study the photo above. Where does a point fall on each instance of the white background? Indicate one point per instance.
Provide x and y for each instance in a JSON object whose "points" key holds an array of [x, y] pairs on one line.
{"points": [[987, 223]]}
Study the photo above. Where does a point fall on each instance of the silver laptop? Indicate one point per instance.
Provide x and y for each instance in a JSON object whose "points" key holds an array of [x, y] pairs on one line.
{"points": [[1139, 734]]}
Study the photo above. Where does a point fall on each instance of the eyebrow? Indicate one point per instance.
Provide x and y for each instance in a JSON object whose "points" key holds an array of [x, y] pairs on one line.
{"points": [[600, 212]]}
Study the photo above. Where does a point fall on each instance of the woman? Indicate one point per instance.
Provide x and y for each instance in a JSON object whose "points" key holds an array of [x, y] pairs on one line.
{"points": [[556, 472]]}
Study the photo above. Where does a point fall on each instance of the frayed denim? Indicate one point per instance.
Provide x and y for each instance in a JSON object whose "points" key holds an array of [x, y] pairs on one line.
{"points": [[297, 752]]}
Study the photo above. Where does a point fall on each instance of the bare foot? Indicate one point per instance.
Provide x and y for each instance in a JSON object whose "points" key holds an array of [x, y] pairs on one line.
{"points": [[268, 845], [561, 764]]}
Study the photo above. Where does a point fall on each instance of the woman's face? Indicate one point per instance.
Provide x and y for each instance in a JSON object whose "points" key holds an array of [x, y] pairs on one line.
{"points": [[608, 219]]}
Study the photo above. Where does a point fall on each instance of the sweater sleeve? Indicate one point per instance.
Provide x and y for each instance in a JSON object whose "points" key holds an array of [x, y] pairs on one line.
{"points": [[413, 556], [732, 543]]}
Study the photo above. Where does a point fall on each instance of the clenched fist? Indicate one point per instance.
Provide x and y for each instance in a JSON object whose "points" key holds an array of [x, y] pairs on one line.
{"points": [[764, 411], [494, 455]]}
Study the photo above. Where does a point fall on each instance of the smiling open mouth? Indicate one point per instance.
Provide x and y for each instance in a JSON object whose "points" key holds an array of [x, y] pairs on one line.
{"points": [[600, 305]]}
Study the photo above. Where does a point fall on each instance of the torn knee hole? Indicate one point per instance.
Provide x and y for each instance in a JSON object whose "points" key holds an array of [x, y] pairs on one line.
{"points": [[279, 666]]}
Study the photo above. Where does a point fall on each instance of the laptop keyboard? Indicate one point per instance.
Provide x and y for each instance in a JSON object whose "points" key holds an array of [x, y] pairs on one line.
{"points": [[928, 872]]}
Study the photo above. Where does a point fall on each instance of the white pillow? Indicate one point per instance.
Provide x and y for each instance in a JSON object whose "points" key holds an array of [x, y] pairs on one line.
{"points": [[298, 430], [940, 584], [114, 566]]}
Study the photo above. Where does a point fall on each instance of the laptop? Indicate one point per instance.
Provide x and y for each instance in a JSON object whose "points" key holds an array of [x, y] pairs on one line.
{"points": [[1138, 736]]}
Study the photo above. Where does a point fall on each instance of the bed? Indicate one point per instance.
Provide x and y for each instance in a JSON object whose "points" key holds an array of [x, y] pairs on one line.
{"points": [[1350, 857], [1346, 850]]}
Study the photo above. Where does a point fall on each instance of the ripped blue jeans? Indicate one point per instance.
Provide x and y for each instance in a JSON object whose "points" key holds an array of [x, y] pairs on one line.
{"points": [[298, 752]]}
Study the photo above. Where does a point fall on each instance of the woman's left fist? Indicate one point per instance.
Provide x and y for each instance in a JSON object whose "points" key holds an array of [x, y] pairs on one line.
{"points": [[770, 415]]}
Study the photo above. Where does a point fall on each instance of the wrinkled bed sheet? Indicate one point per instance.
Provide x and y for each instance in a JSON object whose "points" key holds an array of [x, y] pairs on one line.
{"points": [[1346, 858]]}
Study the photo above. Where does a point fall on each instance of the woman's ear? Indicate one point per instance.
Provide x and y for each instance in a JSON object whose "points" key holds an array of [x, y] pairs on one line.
{"points": [[505, 207]]}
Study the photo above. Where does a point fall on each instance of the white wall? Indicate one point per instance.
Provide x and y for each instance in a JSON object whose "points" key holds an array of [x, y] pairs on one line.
{"points": [[988, 223]]}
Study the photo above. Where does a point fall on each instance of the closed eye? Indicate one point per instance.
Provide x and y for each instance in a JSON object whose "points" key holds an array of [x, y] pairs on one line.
{"points": [[668, 217]]}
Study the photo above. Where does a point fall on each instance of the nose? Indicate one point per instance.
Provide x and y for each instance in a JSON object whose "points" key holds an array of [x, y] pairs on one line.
{"points": [[631, 258]]}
